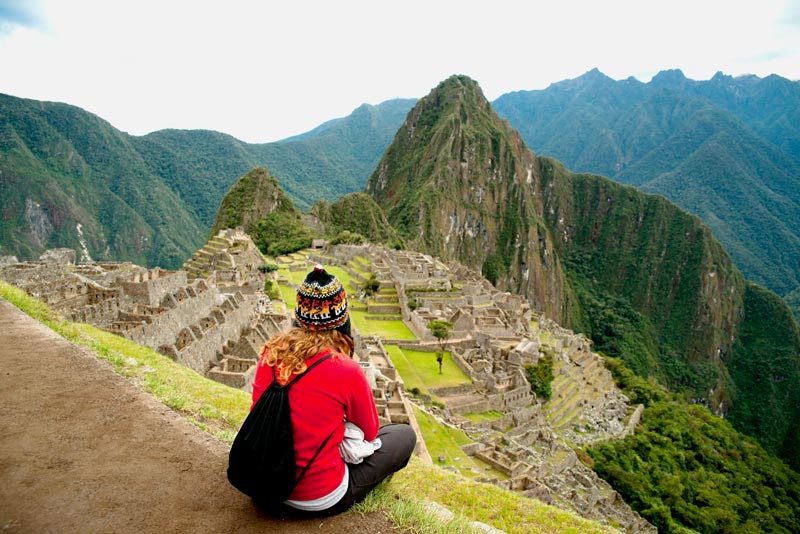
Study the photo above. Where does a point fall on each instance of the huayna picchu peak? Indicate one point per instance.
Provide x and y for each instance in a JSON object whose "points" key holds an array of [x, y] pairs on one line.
{"points": [[457, 182]]}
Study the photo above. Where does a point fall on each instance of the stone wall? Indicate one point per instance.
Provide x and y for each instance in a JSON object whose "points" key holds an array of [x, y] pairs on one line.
{"points": [[199, 352], [179, 314], [149, 288], [32, 274]]}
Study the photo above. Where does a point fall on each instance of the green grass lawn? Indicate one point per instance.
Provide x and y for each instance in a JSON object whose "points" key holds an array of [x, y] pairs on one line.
{"points": [[356, 266], [383, 329], [420, 369], [288, 294], [447, 442], [491, 415]]}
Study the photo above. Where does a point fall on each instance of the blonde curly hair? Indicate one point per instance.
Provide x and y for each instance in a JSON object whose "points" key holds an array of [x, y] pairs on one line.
{"points": [[292, 348]]}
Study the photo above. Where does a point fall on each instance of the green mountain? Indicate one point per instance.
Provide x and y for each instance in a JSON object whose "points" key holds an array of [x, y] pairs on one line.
{"points": [[354, 213], [727, 150], [152, 199], [456, 182], [684, 469], [259, 205], [333, 159], [70, 179], [644, 280]]}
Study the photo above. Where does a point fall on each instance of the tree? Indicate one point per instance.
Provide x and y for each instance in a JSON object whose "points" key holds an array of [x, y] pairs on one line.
{"points": [[441, 331], [540, 376]]}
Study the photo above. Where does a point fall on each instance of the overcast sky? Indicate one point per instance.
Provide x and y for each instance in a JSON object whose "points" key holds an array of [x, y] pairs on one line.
{"points": [[265, 70]]}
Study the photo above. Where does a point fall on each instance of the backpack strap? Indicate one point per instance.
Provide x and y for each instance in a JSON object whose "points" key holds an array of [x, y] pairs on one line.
{"points": [[311, 461], [293, 382]]}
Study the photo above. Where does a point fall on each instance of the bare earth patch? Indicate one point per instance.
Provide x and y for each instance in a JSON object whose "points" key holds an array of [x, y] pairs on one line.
{"points": [[83, 450]]}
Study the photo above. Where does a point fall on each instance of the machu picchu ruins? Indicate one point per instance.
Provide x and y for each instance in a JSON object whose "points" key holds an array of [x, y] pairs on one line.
{"points": [[214, 316]]}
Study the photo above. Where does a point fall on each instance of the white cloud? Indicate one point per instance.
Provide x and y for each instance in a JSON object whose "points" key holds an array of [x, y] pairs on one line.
{"points": [[263, 71]]}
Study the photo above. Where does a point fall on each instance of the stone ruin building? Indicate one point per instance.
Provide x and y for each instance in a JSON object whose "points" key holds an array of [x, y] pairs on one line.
{"points": [[214, 324]]}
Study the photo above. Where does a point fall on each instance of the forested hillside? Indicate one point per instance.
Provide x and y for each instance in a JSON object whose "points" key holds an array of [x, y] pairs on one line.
{"points": [[727, 150], [71, 179], [684, 468]]}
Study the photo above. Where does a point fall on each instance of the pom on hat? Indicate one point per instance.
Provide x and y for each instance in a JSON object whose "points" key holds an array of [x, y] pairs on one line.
{"points": [[321, 302]]}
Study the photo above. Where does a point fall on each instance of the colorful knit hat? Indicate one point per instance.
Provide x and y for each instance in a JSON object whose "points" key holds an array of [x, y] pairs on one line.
{"points": [[322, 302]]}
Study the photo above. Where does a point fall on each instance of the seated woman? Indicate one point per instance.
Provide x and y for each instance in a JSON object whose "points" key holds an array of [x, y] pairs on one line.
{"points": [[334, 392]]}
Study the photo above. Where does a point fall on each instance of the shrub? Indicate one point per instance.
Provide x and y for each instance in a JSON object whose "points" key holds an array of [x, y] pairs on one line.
{"points": [[267, 268], [372, 284], [540, 376], [346, 237]]}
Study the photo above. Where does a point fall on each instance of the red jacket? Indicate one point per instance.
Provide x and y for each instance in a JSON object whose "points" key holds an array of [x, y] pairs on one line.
{"points": [[333, 391]]}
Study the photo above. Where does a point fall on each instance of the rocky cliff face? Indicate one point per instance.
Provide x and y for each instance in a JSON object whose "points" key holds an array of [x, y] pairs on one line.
{"points": [[662, 262], [458, 183]]}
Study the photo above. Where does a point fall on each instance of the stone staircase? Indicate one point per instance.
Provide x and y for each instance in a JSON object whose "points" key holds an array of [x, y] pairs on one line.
{"points": [[209, 257]]}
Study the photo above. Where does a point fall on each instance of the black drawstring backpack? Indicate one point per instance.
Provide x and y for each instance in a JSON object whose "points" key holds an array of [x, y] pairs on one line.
{"points": [[261, 463]]}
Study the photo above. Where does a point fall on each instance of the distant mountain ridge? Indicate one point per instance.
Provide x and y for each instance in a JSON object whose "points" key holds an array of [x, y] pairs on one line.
{"points": [[726, 149], [69, 178]]}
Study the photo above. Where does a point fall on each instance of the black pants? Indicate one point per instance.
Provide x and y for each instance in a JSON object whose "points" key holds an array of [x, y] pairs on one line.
{"points": [[397, 445]]}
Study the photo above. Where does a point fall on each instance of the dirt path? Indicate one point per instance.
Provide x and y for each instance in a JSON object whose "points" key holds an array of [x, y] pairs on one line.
{"points": [[83, 450]]}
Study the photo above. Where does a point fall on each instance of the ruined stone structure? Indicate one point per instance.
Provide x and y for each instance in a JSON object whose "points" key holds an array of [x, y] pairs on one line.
{"points": [[215, 325]]}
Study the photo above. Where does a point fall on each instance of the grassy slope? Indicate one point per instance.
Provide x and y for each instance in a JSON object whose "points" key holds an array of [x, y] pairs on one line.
{"points": [[420, 369], [220, 410]]}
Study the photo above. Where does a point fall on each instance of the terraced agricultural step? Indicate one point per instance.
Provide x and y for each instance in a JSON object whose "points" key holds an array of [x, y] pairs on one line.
{"points": [[559, 384], [565, 405], [214, 247], [591, 368], [583, 358], [569, 418], [234, 380], [557, 400], [604, 385]]}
